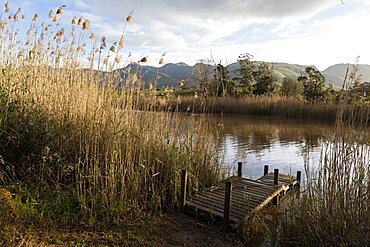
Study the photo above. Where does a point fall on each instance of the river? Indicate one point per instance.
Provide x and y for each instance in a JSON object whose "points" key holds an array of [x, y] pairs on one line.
{"points": [[286, 144]]}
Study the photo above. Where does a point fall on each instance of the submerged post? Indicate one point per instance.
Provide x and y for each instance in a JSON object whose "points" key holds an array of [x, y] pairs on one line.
{"points": [[298, 188], [240, 169], [299, 177], [276, 182], [276, 176], [184, 178], [266, 170], [227, 206]]}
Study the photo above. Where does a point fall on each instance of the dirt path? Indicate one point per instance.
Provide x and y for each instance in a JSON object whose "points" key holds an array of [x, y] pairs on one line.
{"points": [[180, 230]]}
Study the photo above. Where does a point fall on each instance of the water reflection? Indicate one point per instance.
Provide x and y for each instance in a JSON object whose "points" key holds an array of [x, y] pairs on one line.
{"points": [[279, 143]]}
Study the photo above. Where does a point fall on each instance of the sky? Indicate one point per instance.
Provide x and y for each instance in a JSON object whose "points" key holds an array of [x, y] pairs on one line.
{"points": [[307, 32]]}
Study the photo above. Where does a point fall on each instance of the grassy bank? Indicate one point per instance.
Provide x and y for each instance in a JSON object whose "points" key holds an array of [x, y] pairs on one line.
{"points": [[73, 148], [274, 105]]}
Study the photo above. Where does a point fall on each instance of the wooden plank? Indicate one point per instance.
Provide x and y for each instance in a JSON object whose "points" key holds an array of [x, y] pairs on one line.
{"points": [[234, 216], [256, 189], [246, 196], [260, 186], [252, 191], [217, 199], [237, 203], [242, 198], [211, 211], [235, 211], [253, 182], [282, 178], [243, 187]]}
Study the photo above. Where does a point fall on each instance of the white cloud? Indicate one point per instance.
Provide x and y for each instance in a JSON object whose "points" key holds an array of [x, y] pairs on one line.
{"points": [[319, 32]]}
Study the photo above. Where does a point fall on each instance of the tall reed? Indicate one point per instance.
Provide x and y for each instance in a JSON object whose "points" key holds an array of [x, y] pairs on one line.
{"points": [[334, 209], [273, 105], [66, 123]]}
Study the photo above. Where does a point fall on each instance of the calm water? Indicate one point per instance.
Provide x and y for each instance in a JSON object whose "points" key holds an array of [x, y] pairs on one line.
{"points": [[279, 143]]}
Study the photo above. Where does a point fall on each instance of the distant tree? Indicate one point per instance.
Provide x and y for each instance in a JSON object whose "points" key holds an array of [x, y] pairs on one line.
{"points": [[202, 73], [314, 85], [264, 80], [224, 85], [245, 72], [291, 87]]}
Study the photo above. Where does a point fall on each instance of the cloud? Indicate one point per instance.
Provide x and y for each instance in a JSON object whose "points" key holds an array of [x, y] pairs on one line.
{"points": [[193, 22], [276, 30]]}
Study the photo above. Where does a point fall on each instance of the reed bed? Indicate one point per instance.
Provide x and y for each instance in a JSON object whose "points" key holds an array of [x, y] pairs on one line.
{"points": [[74, 133], [334, 209], [273, 105]]}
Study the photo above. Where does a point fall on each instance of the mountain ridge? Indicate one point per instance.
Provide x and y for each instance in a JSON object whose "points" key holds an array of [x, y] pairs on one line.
{"points": [[172, 74]]}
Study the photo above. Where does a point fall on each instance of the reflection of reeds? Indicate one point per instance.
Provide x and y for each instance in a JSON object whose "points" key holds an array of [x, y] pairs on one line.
{"points": [[335, 208], [69, 127]]}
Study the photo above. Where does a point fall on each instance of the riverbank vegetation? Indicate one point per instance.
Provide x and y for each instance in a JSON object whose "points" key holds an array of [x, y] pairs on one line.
{"points": [[74, 148], [253, 89], [334, 209], [80, 146]]}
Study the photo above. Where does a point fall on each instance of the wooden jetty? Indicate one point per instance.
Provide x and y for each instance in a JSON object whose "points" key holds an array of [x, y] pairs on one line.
{"points": [[236, 198]]}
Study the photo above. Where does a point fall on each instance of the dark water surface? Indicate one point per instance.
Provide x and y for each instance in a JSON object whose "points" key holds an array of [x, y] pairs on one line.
{"points": [[287, 144]]}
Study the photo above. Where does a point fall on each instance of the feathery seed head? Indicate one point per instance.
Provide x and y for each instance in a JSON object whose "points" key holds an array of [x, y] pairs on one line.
{"points": [[23, 17], [117, 59], [35, 17], [7, 7], [92, 36], [80, 20], [112, 48], [59, 11], [21, 54], [121, 43], [55, 19], [161, 61], [51, 14], [86, 25], [74, 21]]}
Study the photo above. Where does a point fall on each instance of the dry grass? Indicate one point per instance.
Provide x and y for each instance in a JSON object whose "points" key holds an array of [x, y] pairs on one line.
{"points": [[275, 105], [67, 127], [334, 210], [271, 105]]}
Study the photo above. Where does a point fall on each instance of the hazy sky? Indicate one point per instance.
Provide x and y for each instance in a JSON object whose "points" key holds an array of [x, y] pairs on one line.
{"points": [[307, 32]]}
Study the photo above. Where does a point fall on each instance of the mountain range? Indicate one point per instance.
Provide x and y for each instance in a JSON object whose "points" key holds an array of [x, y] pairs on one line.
{"points": [[171, 74]]}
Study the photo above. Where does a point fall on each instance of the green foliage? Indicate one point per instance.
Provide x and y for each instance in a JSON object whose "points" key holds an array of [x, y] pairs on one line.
{"points": [[264, 80], [246, 70], [224, 85], [314, 85], [291, 87], [257, 78]]}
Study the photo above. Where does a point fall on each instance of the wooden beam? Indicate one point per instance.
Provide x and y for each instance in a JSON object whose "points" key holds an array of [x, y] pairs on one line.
{"points": [[227, 205], [266, 170], [276, 176], [240, 169], [299, 177], [184, 178], [298, 185]]}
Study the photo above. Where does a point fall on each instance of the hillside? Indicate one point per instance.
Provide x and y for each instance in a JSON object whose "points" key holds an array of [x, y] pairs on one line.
{"points": [[171, 74], [336, 73]]}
